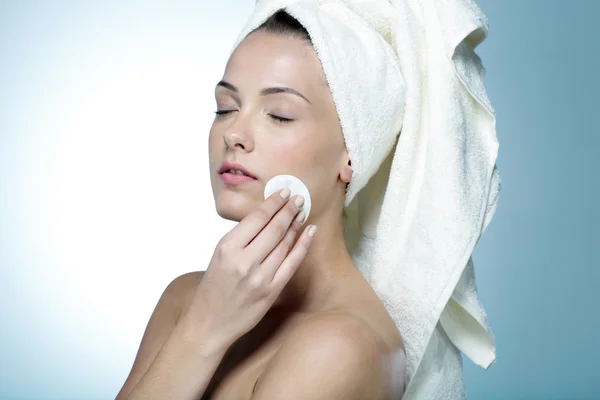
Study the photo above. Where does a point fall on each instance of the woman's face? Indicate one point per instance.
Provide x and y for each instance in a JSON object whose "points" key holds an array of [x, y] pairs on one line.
{"points": [[278, 117]]}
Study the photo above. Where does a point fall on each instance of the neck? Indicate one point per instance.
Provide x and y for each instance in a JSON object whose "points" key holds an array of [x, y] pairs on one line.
{"points": [[312, 288]]}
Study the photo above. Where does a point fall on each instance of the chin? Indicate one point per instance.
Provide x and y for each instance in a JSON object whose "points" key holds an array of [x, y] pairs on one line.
{"points": [[234, 206]]}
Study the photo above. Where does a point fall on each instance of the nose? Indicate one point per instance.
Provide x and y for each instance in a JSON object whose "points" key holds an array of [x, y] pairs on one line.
{"points": [[236, 141]]}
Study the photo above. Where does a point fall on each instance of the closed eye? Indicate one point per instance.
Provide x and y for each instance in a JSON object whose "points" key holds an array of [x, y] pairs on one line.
{"points": [[280, 119], [223, 112]]}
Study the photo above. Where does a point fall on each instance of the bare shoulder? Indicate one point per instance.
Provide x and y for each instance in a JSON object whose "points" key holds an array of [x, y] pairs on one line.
{"points": [[183, 287], [172, 301], [176, 296], [329, 356]]}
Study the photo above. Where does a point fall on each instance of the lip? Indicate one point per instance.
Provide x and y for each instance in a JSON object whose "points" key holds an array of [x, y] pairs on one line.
{"points": [[235, 179]]}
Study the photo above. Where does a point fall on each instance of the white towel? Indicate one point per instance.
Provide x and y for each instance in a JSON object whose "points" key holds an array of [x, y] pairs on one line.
{"points": [[420, 132]]}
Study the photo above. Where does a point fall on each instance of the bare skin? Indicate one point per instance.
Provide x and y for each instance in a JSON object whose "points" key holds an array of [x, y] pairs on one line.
{"points": [[324, 333]]}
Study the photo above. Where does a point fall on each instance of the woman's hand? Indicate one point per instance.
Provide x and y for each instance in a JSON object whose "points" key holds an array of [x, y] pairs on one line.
{"points": [[250, 267]]}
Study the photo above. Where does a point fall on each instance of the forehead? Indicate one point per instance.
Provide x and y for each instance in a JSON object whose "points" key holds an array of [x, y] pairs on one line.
{"points": [[264, 59]]}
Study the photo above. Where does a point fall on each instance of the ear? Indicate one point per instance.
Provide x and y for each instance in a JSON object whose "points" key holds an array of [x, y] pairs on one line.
{"points": [[346, 172]]}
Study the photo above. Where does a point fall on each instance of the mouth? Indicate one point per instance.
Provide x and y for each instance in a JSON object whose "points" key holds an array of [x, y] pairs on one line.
{"points": [[235, 168], [234, 173]]}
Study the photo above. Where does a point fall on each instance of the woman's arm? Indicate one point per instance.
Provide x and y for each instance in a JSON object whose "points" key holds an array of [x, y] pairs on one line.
{"points": [[250, 267], [177, 357], [184, 366]]}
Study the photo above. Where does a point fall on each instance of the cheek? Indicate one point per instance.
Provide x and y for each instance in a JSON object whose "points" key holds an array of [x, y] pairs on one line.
{"points": [[215, 143], [313, 152], [212, 137], [325, 151], [314, 159], [282, 154], [298, 157]]}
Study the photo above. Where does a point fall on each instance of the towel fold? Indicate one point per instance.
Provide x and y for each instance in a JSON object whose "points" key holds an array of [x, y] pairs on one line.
{"points": [[420, 132]]}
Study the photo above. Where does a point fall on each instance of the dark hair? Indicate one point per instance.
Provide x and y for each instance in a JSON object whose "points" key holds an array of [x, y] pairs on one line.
{"points": [[282, 23]]}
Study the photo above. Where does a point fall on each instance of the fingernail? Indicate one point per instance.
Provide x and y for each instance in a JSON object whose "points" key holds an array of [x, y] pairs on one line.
{"points": [[312, 230], [285, 193], [299, 201], [300, 217]]}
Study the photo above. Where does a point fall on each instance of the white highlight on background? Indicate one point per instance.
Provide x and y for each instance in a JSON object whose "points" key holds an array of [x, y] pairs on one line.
{"points": [[104, 188]]}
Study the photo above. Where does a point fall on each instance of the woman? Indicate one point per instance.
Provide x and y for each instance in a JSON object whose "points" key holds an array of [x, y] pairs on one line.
{"points": [[281, 309], [379, 107]]}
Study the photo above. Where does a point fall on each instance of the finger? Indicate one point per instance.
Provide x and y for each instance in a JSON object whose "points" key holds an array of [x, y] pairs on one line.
{"points": [[273, 233], [291, 263], [253, 223], [274, 259]]}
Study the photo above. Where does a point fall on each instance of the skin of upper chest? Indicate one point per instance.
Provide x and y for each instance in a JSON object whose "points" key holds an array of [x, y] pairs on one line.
{"points": [[246, 360]]}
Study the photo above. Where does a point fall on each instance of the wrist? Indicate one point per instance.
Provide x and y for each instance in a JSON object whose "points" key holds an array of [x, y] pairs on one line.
{"points": [[198, 333]]}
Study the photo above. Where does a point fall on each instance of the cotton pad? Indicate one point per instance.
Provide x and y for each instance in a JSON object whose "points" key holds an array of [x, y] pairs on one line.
{"points": [[296, 186]]}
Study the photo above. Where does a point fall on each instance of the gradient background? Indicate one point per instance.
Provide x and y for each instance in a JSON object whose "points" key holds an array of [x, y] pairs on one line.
{"points": [[105, 109]]}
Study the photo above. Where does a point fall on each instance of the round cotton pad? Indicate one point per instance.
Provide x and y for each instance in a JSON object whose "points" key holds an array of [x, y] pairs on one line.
{"points": [[296, 186]]}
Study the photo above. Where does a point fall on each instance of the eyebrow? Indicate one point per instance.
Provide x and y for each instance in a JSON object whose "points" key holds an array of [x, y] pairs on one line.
{"points": [[265, 91]]}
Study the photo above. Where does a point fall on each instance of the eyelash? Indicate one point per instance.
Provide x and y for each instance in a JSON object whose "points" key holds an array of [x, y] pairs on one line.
{"points": [[278, 119]]}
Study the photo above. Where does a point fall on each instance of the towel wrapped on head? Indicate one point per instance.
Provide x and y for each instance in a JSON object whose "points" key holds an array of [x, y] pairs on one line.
{"points": [[420, 133]]}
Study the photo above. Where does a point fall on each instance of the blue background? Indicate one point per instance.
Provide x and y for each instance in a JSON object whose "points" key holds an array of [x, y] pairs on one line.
{"points": [[70, 331]]}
